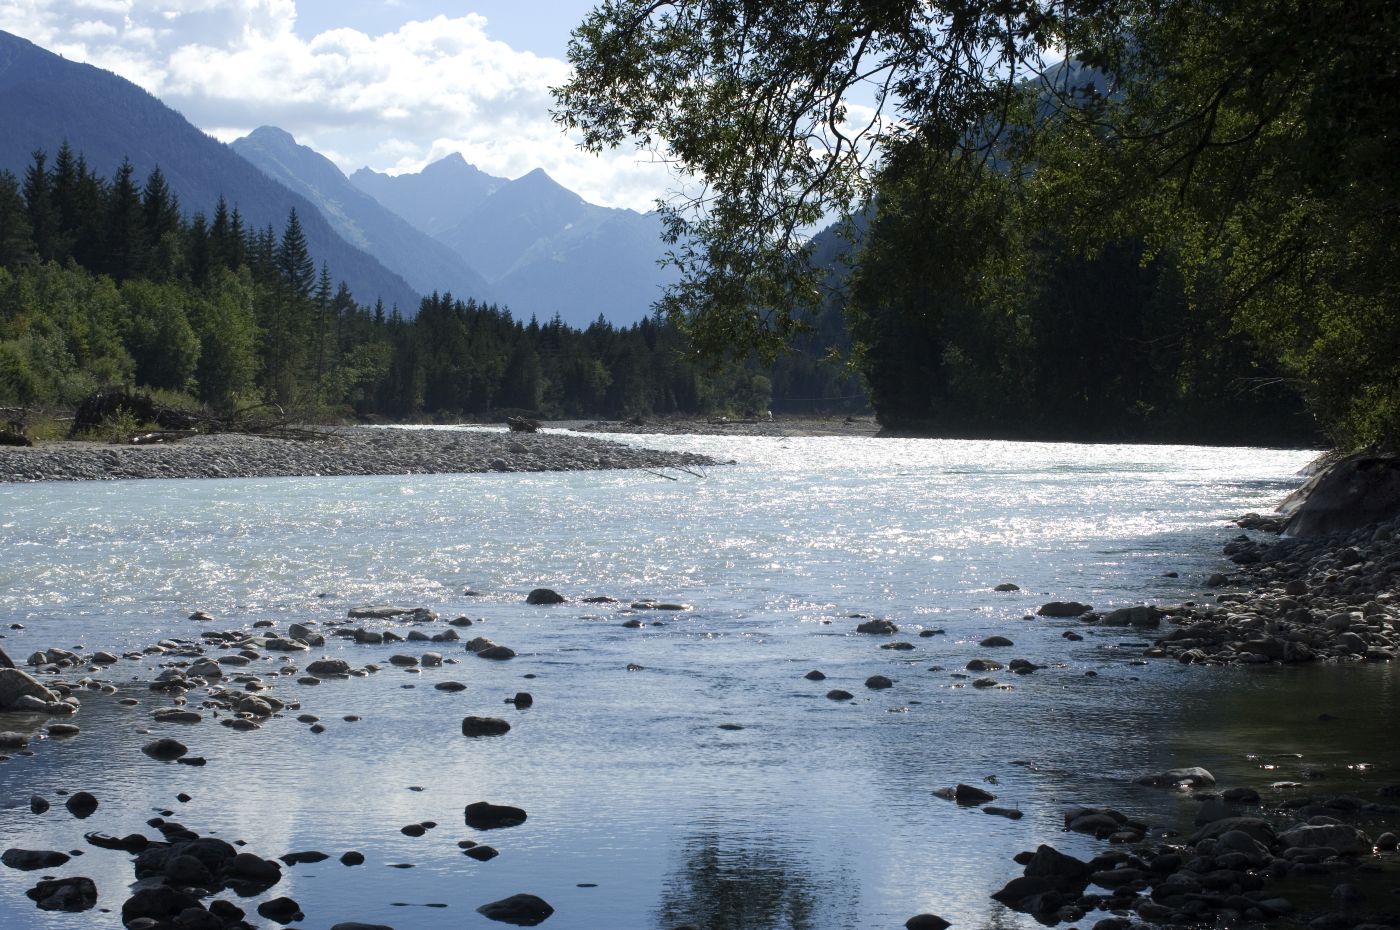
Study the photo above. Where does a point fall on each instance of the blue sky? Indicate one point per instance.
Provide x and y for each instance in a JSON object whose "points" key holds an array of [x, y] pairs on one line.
{"points": [[389, 85], [542, 28]]}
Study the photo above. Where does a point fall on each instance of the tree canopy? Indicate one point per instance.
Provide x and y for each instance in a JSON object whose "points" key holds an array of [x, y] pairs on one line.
{"points": [[1248, 146]]}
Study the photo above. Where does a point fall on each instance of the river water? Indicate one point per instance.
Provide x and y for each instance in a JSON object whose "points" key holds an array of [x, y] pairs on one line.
{"points": [[643, 811]]}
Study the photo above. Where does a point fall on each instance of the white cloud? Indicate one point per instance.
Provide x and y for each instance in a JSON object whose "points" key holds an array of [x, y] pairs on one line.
{"points": [[394, 101]]}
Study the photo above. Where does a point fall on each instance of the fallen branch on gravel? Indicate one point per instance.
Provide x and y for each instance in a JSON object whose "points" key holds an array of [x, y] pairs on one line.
{"points": [[114, 404]]}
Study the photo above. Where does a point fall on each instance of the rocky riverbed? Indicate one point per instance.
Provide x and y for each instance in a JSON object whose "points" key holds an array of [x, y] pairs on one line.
{"points": [[340, 452], [1335, 599]]}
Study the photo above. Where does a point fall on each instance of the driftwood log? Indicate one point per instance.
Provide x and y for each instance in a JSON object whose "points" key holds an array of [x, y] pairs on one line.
{"points": [[103, 405], [15, 420], [265, 419]]}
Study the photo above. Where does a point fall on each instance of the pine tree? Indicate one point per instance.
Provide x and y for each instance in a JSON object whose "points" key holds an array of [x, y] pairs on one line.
{"points": [[38, 199], [238, 251], [294, 258], [125, 233], [160, 210], [220, 234], [198, 251], [64, 182], [323, 321], [90, 217], [16, 242]]}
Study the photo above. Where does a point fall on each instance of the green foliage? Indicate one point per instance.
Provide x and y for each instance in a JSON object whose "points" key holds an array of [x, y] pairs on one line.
{"points": [[118, 427], [237, 317], [158, 334], [1198, 203]]}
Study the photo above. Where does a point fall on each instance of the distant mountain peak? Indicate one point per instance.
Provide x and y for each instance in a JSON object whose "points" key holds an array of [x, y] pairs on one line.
{"points": [[272, 134], [358, 217]]}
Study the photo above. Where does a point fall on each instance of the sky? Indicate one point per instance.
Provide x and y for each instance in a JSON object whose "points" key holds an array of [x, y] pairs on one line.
{"points": [[388, 84]]}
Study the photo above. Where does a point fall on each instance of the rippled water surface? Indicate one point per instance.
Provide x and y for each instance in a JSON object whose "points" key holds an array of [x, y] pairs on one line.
{"points": [[643, 812]]}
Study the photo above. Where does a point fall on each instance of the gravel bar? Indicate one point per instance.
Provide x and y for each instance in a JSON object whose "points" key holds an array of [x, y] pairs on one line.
{"points": [[349, 451]]}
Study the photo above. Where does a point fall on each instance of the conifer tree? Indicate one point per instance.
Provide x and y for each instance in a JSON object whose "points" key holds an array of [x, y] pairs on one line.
{"points": [[64, 182], [90, 217], [125, 233], [294, 258], [160, 210], [38, 199], [16, 242]]}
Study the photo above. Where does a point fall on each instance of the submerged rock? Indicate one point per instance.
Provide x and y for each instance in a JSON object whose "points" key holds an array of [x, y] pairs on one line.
{"points": [[484, 726], [525, 910], [485, 816], [64, 894], [29, 860], [81, 804], [970, 794], [1195, 777], [165, 749], [1063, 609], [544, 596]]}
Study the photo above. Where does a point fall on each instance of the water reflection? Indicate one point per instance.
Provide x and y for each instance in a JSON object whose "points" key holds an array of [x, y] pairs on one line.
{"points": [[743, 883]]}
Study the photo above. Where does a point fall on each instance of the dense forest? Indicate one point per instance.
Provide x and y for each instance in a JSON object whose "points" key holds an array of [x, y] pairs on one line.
{"points": [[106, 282], [1081, 220], [1052, 345]]}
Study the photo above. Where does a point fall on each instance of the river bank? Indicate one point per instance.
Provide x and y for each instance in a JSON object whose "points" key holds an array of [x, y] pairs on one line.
{"points": [[341, 452]]}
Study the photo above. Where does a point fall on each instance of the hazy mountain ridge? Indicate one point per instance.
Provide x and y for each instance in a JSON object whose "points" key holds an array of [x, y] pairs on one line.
{"points": [[425, 263], [45, 99], [435, 199], [543, 249]]}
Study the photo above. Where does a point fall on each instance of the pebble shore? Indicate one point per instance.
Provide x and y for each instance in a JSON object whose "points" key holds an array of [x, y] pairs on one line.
{"points": [[341, 452], [1331, 599]]}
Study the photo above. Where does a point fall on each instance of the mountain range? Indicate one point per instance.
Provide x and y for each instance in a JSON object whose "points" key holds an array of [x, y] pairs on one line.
{"points": [[542, 248], [45, 99], [425, 263], [528, 244]]}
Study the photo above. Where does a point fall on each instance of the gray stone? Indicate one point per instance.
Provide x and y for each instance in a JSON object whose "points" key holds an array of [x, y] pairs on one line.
{"points": [[306, 635], [1345, 496], [880, 627], [16, 683], [1345, 839], [323, 667]]}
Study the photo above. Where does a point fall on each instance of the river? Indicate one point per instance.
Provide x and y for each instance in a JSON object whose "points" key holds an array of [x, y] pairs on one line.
{"points": [[643, 812]]}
